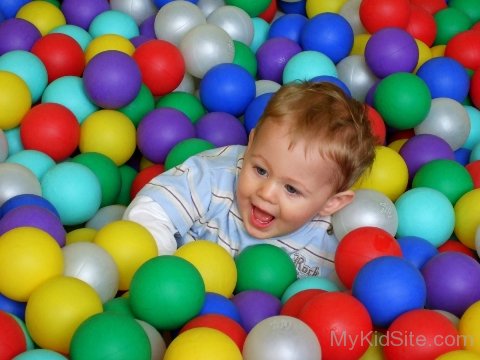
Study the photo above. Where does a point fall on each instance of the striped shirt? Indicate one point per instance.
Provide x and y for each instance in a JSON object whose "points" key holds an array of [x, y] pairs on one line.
{"points": [[196, 200]]}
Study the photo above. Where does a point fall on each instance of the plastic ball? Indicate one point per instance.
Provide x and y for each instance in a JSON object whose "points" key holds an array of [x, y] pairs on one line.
{"points": [[186, 102], [456, 245], [417, 250], [159, 59], [114, 22], [175, 19], [106, 215], [130, 245], [138, 10], [36, 161], [369, 208], [235, 21], [208, 6], [29, 67], [354, 72], [160, 130], [108, 132], [449, 277], [439, 335], [221, 129], [61, 55], [108, 42], [112, 79], [287, 26], [10, 8], [465, 48], [140, 106], [308, 64], [69, 91], [184, 149], [252, 8], [328, 33], [218, 322], [446, 176], [350, 319], [273, 55], [255, 110], [52, 129], [3, 146], [26, 200], [272, 277], [82, 12], [260, 33], [15, 99], [295, 303], [91, 263], [314, 8], [141, 178], [157, 343], [376, 15], [170, 283], [203, 343], [474, 135], [17, 34], [421, 25], [80, 235], [306, 283], [40, 354], [216, 266], [221, 305], [475, 89], [450, 22], [12, 307], [281, 337], [255, 306], [44, 15], [16, 179], [81, 36], [13, 339], [389, 286], [466, 218], [432, 6], [459, 355], [245, 57], [468, 327]]}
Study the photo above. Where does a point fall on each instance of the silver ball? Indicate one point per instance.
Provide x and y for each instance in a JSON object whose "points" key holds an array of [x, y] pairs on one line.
{"points": [[139, 10], [355, 73], [235, 21], [16, 179]]}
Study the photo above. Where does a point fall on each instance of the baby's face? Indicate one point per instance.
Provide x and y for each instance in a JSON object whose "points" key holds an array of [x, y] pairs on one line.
{"points": [[281, 189]]}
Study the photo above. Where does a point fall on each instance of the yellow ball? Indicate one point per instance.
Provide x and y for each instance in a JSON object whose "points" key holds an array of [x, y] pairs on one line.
{"points": [[375, 350], [43, 14], [438, 50], [469, 327], [108, 42], [459, 355], [130, 245], [389, 174], [15, 100], [424, 53], [467, 217], [397, 144], [28, 257], [108, 132], [56, 309], [79, 235], [215, 264], [202, 343], [315, 7], [144, 163], [359, 44]]}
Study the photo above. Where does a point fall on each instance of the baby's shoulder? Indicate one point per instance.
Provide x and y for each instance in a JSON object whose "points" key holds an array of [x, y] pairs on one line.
{"points": [[223, 158]]}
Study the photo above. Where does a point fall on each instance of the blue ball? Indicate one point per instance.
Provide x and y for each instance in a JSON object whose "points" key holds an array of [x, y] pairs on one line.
{"points": [[26, 199], [445, 77], [288, 26], [389, 286], [293, 7], [228, 88], [333, 80], [417, 250], [218, 304], [16, 308], [9, 8], [255, 110], [462, 156], [328, 33]]}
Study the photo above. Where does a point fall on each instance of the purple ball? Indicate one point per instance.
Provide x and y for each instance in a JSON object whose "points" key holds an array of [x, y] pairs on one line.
{"points": [[391, 50], [112, 79], [255, 306], [423, 148], [221, 129], [273, 55], [34, 216], [147, 27], [82, 12], [452, 280], [139, 40], [160, 130], [17, 34]]}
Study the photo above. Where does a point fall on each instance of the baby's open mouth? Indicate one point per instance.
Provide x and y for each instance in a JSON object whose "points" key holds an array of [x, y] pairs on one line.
{"points": [[261, 218]]}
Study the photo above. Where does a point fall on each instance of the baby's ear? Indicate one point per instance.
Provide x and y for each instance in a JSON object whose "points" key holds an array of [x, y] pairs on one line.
{"points": [[337, 202]]}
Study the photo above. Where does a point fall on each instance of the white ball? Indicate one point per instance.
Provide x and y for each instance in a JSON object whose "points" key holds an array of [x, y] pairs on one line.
{"points": [[139, 10], [208, 6], [265, 86], [355, 73], [235, 21]]}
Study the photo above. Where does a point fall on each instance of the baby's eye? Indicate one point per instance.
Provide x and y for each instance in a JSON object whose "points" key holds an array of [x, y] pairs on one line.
{"points": [[290, 189], [260, 171]]}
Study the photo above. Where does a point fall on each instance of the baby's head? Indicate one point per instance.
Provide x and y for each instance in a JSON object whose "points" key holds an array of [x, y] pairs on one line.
{"points": [[328, 121]]}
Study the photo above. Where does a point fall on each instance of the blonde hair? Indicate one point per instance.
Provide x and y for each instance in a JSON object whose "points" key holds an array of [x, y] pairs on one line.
{"points": [[322, 115]]}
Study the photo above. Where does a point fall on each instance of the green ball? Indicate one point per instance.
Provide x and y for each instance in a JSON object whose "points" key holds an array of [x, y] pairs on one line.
{"points": [[447, 176], [119, 305], [143, 103], [184, 149], [107, 173], [450, 22], [403, 99], [245, 57], [109, 335], [167, 291], [264, 267], [185, 102], [127, 176], [253, 8], [469, 7]]}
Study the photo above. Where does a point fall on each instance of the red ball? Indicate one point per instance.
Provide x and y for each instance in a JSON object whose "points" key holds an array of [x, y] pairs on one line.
{"points": [[422, 25], [379, 14], [269, 13], [475, 88], [432, 6], [358, 247], [341, 323], [296, 302], [473, 169], [378, 125], [455, 245], [465, 48], [61, 54], [144, 176], [421, 334], [219, 322], [12, 338], [52, 129], [161, 64]]}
